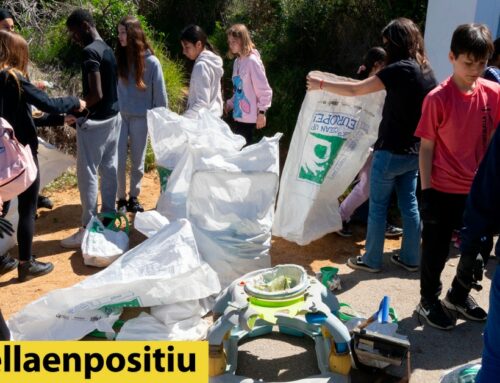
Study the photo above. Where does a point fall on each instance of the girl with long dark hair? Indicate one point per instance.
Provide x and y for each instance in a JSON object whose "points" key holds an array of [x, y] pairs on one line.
{"points": [[140, 87], [205, 83], [407, 78]]}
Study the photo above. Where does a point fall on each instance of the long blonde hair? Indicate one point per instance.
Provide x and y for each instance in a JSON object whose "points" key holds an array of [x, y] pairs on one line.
{"points": [[240, 31]]}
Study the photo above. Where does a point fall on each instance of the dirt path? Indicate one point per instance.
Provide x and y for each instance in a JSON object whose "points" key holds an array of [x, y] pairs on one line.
{"points": [[433, 350]]}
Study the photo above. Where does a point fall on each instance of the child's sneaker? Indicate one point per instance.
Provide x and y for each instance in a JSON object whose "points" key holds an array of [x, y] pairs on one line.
{"points": [[357, 263], [32, 269], [397, 261], [469, 309], [121, 206], [435, 315], [74, 241], [393, 231], [134, 206], [345, 231]]}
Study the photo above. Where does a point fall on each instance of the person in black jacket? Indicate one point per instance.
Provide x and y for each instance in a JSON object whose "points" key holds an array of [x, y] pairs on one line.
{"points": [[16, 96], [481, 219]]}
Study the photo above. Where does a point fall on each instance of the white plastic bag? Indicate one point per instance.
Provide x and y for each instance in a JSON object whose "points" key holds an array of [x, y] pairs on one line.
{"points": [[101, 245], [229, 199], [329, 146], [149, 222], [163, 270], [171, 135]]}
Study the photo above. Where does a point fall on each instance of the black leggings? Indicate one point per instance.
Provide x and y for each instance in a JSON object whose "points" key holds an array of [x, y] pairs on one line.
{"points": [[26, 207], [244, 129]]}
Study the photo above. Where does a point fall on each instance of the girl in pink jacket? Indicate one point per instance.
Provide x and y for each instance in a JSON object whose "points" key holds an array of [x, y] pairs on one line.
{"points": [[252, 93]]}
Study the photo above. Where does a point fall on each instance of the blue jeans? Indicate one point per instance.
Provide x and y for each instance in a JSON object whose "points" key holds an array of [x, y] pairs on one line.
{"points": [[490, 370], [391, 171]]}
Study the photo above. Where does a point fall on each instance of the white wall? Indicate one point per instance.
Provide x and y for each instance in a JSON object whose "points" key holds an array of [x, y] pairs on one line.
{"points": [[443, 16]]}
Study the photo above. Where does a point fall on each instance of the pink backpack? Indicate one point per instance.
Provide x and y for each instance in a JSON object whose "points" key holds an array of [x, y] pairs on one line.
{"points": [[17, 167]]}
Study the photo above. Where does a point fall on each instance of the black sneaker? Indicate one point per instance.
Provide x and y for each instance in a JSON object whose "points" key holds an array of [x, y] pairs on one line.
{"points": [[393, 231], [357, 263], [121, 205], [44, 202], [435, 315], [32, 269], [7, 263], [397, 261], [345, 231], [469, 309], [133, 205]]}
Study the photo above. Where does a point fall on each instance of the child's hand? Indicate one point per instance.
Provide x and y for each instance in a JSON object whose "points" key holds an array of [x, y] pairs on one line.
{"points": [[83, 105], [261, 121], [69, 119], [314, 83], [227, 109]]}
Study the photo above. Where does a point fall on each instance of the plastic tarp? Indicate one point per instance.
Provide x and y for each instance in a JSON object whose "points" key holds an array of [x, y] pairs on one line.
{"points": [[229, 199], [53, 163], [165, 269], [329, 146]]}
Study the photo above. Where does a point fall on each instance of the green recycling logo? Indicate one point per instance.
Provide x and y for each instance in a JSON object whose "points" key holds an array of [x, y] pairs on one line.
{"points": [[327, 133]]}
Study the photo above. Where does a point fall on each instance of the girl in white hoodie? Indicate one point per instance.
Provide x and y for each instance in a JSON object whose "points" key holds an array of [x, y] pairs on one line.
{"points": [[205, 83]]}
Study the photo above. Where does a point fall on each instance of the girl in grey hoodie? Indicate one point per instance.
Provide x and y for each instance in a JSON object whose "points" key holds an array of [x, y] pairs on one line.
{"points": [[140, 87], [205, 83]]}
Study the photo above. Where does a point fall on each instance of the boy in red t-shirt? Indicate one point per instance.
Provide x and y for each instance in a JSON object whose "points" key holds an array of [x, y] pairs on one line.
{"points": [[458, 120]]}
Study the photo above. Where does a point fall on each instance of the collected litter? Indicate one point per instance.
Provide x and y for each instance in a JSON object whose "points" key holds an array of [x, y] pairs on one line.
{"points": [[153, 273]]}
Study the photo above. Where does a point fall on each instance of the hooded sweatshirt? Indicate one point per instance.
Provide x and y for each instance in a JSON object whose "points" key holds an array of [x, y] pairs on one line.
{"points": [[252, 92], [205, 85], [134, 101]]}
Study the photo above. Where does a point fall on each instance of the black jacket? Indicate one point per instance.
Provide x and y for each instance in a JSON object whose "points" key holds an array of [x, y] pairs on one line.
{"points": [[15, 106]]}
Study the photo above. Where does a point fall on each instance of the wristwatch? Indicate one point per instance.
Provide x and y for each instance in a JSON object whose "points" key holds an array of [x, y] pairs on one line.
{"points": [[263, 112]]}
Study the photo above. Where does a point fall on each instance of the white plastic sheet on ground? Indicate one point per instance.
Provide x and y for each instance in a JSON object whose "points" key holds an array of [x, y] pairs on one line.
{"points": [[229, 199], [163, 270], [53, 163], [329, 146]]}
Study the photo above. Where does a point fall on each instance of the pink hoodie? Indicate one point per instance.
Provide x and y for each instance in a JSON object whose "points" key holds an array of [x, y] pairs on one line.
{"points": [[252, 92]]}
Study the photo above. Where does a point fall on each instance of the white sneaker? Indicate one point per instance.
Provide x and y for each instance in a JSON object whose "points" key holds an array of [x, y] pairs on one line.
{"points": [[74, 241]]}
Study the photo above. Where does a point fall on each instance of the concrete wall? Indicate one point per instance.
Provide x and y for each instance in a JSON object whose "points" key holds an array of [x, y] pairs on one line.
{"points": [[443, 16]]}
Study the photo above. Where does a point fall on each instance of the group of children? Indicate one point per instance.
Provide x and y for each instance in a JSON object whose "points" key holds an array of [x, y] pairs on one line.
{"points": [[118, 88], [440, 131]]}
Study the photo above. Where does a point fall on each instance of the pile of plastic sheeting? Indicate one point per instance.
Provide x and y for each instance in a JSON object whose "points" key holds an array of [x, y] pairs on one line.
{"points": [[53, 163], [329, 146], [171, 135], [226, 193], [166, 269]]}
